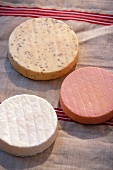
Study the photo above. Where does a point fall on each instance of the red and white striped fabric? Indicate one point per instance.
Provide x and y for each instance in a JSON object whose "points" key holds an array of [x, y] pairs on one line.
{"points": [[95, 18]]}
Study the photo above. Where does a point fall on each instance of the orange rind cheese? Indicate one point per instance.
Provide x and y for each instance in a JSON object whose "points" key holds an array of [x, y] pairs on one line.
{"points": [[87, 95]]}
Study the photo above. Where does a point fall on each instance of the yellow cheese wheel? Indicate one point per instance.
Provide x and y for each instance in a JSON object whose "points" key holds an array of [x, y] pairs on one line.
{"points": [[43, 48]]}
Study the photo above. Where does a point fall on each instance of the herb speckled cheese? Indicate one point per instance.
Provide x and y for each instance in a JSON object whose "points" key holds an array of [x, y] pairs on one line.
{"points": [[28, 125], [43, 49]]}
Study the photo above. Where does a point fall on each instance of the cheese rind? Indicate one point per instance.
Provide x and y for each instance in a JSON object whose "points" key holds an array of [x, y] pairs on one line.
{"points": [[87, 95], [43, 49], [28, 125]]}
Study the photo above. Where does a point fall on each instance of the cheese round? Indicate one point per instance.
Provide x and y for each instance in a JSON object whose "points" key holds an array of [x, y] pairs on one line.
{"points": [[87, 95], [43, 48], [28, 125]]}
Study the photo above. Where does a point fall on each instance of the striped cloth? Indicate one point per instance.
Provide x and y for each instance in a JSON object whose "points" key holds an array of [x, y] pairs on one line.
{"points": [[96, 18], [77, 147]]}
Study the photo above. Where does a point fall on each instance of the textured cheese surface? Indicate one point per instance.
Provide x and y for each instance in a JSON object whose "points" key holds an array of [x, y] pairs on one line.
{"points": [[28, 125], [43, 48], [87, 95]]}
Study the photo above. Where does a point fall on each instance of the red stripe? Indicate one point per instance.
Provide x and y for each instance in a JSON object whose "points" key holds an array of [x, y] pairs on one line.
{"points": [[58, 109], [57, 17], [57, 14], [63, 116], [55, 11]]}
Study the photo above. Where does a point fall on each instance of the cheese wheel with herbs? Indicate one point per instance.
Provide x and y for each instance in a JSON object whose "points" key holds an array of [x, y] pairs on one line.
{"points": [[28, 125], [43, 48], [87, 95]]}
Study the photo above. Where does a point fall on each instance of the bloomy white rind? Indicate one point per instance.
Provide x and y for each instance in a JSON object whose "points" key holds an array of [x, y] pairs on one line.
{"points": [[28, 151], [18, 150]]}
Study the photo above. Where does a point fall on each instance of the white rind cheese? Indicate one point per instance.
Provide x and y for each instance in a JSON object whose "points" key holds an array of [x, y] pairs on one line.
{"points": [[43, 48], [28, 125]]}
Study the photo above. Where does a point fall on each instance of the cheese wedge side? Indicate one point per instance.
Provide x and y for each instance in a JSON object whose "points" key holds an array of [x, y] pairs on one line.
{"points": [[43, 49], [28, 125]]}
